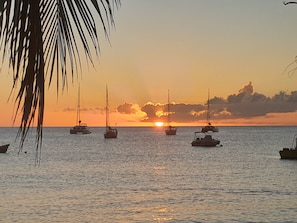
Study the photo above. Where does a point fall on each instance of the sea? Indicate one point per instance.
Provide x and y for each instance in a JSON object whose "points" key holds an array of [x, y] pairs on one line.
{"points": [[146, 176]]}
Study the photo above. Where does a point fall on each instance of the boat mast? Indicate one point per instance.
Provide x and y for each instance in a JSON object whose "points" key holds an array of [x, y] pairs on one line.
{"points": [[208, 112], [168, 110], [78, 121], [106, 110]]}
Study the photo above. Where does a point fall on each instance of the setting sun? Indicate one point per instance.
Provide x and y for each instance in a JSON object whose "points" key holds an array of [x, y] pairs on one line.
{"points": [[159, 124]]}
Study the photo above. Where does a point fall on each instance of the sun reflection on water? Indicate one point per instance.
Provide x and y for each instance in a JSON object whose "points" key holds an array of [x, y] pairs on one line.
{"points": [[162, 211]]}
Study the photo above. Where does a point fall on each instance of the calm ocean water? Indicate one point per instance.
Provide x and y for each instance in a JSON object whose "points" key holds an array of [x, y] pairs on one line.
{"points": [[146, 176]]}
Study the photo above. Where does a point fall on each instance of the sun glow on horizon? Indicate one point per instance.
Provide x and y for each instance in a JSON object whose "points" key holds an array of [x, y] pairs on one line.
{"points": [[159, 124]]}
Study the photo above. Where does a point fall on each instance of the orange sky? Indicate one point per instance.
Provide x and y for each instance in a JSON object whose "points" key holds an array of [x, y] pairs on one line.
{"points": [[188, 48]]}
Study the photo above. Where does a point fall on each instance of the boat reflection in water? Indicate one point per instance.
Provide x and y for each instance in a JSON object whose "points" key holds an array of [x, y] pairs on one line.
{"points": [[290, 153]]}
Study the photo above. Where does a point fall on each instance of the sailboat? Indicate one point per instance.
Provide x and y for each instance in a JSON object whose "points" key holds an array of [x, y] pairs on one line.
{"points": [[204, 141], [3, 148], [170, 130], [209, 127], [79, 128], [290, 153], [109, 131]]}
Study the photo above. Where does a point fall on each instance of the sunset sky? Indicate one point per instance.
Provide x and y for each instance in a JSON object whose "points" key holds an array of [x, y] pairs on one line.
{"points": [[237, 50]]}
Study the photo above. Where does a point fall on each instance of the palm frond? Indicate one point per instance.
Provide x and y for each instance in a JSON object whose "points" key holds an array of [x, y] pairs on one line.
{"points": [[43, 37], [287, 3]]}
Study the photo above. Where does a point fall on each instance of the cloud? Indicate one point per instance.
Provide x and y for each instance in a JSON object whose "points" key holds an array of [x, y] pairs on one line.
{"points": [[127, 108], [69, 109], [247, 89], [93, 110], [132, 110], [247, 104], [242, 105]]}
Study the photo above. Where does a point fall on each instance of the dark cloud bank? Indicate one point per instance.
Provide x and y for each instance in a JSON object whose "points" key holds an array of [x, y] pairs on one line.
{"points": [[244, 104]]}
